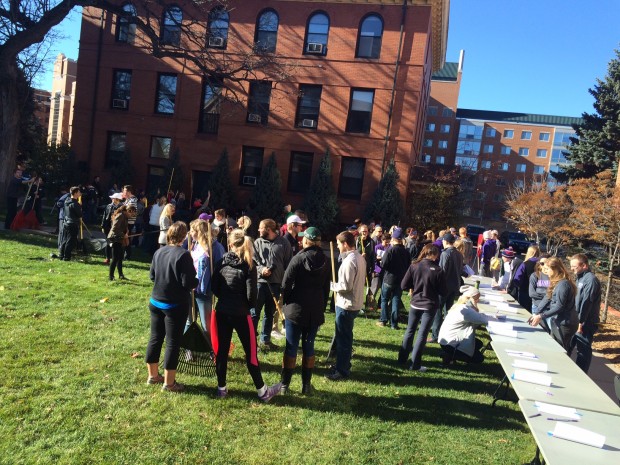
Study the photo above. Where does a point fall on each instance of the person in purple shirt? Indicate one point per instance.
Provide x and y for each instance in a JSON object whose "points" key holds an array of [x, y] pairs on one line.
{"points": [[489, 249], [377, 275]]}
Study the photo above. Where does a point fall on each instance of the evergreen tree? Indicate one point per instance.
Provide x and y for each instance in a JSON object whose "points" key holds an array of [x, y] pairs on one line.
{"points": [[220, 186], [321, 204], [434, 208], [266, 200], [386, 203], [597, 147]]}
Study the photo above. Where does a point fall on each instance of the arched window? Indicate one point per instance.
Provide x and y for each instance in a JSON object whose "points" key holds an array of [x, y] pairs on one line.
{"points": [[316, 34], [218, 28], [369, 38], [125, 24], [171, 32], [267, 32]]}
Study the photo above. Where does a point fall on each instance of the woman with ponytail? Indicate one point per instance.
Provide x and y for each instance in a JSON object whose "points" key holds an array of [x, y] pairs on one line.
{"points": [[234, 284], [118, 237]]}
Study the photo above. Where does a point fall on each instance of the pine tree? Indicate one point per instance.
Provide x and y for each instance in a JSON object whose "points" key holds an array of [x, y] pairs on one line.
{"points": [[321, 204], [597, 147], [220, 185], [386, 203], [266, 200]]}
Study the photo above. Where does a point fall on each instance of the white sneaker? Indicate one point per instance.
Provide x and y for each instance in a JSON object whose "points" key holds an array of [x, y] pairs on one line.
{"points": [[277, 334]]}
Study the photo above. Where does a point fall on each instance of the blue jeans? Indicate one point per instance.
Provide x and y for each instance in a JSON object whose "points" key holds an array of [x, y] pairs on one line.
{"points": [[445, 303], [424, 318], [344, 339], [390, 295], [583, 342], [265, 299], [294, 333], [205, 306]]}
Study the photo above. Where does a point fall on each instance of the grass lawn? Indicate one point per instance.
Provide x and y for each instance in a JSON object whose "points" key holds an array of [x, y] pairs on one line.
{"points": [[73, 387]]}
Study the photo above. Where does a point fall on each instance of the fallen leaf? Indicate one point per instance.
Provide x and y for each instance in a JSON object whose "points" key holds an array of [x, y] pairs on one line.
{"points": [[1, 288], [135, 355], [104, 300]]}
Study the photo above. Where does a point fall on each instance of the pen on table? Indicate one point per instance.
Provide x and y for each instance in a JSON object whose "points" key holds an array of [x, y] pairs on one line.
{"points": [[561, 419], [535, 415], [546, 392]]}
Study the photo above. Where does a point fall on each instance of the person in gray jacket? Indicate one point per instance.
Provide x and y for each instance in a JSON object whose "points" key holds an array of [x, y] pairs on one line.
{"points": [[558, 304], [588, 304], [451, 262]]}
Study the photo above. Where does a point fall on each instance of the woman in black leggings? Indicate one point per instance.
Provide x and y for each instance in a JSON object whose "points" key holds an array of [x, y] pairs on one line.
{"points": [[118, 236]]}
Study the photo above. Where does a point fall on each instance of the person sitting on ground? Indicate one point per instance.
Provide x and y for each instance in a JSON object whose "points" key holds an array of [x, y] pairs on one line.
{"points": [[457, 335], [174, 277], [234, 283]]}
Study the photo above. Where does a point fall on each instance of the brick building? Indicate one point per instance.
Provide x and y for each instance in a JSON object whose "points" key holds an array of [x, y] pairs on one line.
{"points": [[345, 83], [61, 108], [42, 107]]}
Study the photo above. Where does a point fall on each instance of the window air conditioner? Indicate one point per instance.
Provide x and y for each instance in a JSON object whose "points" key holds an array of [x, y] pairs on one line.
{"points": [[249, 180], [254, 118], [314, 48], [119, 103], [308, 123], [216, 41]]}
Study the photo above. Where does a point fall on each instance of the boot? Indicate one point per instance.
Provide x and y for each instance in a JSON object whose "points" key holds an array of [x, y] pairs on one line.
{"points": [[288, 365], [307, 365]]}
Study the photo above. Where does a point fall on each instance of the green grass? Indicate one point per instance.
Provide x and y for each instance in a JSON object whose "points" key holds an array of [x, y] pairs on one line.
{"points": [[71, 391]]}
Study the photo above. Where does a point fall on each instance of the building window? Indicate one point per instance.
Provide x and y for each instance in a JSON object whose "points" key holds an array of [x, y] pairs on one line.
{"points": [[538, 169], [300, 173], [369, 37], [308, 105], [430, 127], [447, 112], [524, 151], [521, 168], [351, 178], [251, 165], [490, 132], [160, 147], [467, 163], [258, 102], [509, 133], [445, 128], [218, 24], [488, 148], [470, 131], [210, 109], [526, 135], [541, 153], [126, 25], [503, 166], [467, 147], [317, 33], [428, 142], [117, 148], [360, 111], [171, 32], [440, 160], [519, 183], [443, 144], [266, 32], [543, 137], [121, 89], [432, 110], [497, 197], [500, 181], [486, 164], [506, 149], [426, 158], [166, 93]]}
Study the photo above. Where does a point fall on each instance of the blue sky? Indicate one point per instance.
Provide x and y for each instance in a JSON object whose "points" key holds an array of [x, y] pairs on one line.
{"points": [[534, 56]]}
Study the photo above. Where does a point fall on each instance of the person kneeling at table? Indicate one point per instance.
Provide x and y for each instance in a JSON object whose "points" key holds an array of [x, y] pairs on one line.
{"points": [[457, 335]]}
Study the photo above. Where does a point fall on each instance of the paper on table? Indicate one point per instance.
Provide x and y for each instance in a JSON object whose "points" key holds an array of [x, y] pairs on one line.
{"points": [[577, 434], [508, 309], [557, 410], [501, 305], [500, 325], [501, 331], [520, 353], [530, 377], [528, 365], [497, 298]]}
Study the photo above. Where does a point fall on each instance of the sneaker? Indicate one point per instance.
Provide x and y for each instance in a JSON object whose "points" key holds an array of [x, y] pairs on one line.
{"points": [[422, 369], [53, 255], [381, 323], [159, 379], [431, 340], [307, 390], [284, 389], [221, 393], [396, 327], [272, 391], [174, 387], [336, 376], [446, 359]]}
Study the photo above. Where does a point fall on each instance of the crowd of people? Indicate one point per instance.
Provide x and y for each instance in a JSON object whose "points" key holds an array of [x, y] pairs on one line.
{"points": [[274, 273]]}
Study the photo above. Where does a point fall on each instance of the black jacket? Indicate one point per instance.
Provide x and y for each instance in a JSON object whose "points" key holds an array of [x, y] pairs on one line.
{"points": [[234, 284], [305, 287], [588, 301], [561, 305], [451, 262], [73, 211], [427, 281], [395, 262], [173, 275]]}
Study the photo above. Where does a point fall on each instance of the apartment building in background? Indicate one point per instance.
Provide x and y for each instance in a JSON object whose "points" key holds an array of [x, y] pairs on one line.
{"points": [[360, 88], [61, 101], [42, 107]]}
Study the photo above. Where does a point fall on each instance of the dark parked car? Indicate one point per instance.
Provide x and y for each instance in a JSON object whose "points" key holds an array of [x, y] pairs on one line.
{"points": [[518, 241], [473, 231]]}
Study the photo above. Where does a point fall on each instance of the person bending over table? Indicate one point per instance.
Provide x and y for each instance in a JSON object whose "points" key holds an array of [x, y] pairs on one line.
{"points": [[457, 335]]}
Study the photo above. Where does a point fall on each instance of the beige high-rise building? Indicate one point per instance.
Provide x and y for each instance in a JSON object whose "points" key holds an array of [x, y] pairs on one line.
{"points": [[61, 110]]}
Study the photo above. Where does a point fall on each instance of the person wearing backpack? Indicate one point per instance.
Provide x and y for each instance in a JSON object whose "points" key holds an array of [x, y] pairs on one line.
{"points": [[106, 222]]}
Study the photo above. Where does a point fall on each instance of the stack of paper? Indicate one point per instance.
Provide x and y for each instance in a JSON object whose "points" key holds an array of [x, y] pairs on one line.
{"points": [[577, 434], [531, 377], [557, 410], [520, 353], [529, 365], [501, 329]]}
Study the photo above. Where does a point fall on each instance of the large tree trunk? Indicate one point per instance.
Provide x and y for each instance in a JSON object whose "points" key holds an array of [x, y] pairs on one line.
{"points": [[10, 113]]}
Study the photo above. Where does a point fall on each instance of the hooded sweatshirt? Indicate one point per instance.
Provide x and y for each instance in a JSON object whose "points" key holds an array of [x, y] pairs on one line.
{"points": [[234, 283]]}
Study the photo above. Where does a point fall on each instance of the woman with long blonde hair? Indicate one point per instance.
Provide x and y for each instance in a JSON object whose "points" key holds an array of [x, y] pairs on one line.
{"points": [[559, 303], [165, 221], [235, 285]]}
